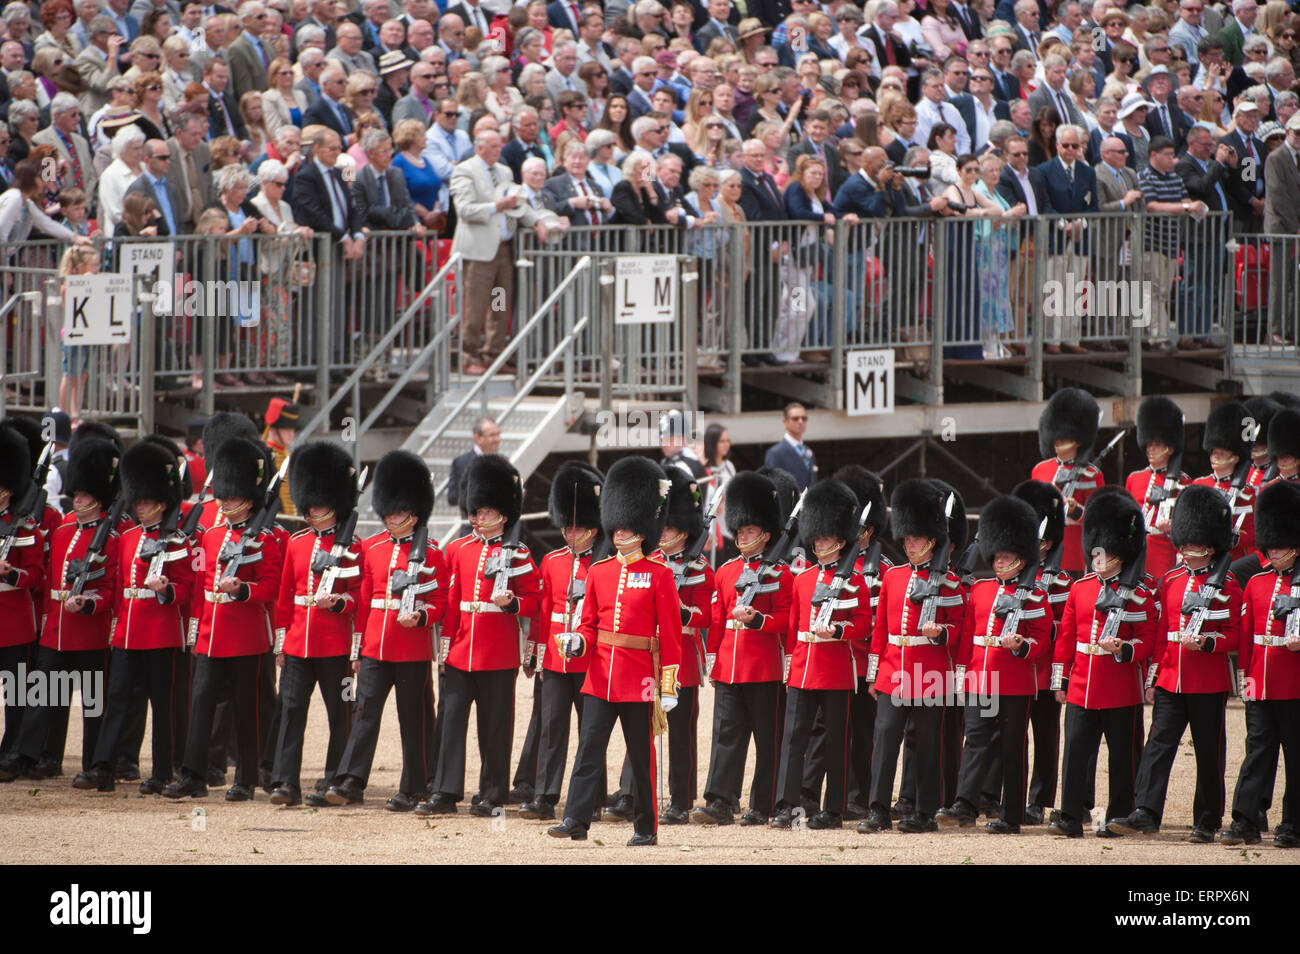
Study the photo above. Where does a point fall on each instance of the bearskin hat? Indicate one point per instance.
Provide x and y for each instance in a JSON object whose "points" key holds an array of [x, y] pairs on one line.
{"points": [[1047, 502], [1227, 426], [169, 445], [221, 427], [869, 489], [1113, 522], [829, 510], [1284, 433], [575, 496], [1277, 516], [1261, 411], [1071, 414], [402, 482], [685, 505], [492, 481], [916, 510], [1246, 567], [1008, 525], [635, 497], [321, 474], [1202, 516], [958, 527], [1284, 398], [30, 430], [241, 469], [1160, 421], [150, 472], [753, 500], [94, 467], [787, 491], [15, 462], [96, 429]]}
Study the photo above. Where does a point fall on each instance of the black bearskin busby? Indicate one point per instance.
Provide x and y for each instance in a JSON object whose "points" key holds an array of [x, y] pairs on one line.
{"points": [[958, 527], [221, 427], [15, 463], [98, 430], [916, 510], [31, 432], [575, 496], [94, 467], [1261, 411], [1071, 414], [1202, 517], [1160, 421], [685, 505], [169, 445], [492, 481], [1113, 522], [321, 474], [1047, 502], [402, 482], [1284, 433], [829, 510], [1277, 516], [1009, 525], [241, 469], [753, 501], [1284, 399], [869, 489], [150, 472], [635, 497], [787, 491], [1229, 426]]}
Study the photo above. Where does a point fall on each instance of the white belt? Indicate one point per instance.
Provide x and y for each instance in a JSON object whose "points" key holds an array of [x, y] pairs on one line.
{"points": [[9, 588], [989, 642], [564, 619], [909, 640], [813, 638], [1262, 640], [60, 595], [218, 597], [305, 599], [735, 624], [380, 603], [478, 606], [1091, 649], [138, 593]]}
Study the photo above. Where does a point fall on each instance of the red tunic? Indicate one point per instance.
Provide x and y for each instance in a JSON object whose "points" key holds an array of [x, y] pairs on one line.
{"points": [[1091, 478], [1161, 555], [71, 632], [554, 615], [309, 631], [1178, 669], [23, 589], [1057, 593], [637, 599], [697, 592], [1269, 670], [228, 625], [484, 636], [992, 669], [911, 666], [144, 621], [818, 662], [1243, 504], [861, 643], [383, 637], [750, 653], [1097, 680]]}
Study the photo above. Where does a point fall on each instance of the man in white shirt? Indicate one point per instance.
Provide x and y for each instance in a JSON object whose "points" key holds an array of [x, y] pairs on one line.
{"points": [[445, 146], [932, 110], [981, 91]]}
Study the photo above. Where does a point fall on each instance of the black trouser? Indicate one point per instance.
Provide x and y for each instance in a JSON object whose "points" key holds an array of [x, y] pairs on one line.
{"points": [[1045, 718], [923, 724], [11, 657], [1122, 727], [492, 692], [801, 710], [862, 728], [740, 710], [949, 757], [164, 674], [131, 739], [245, 679], [45, 729], [561, 695], [297, 679], [683, 729], [270, 718], [1270, 725], [997, 730], [527, 774], [1171, 715], [374, 681], [598, 717]]}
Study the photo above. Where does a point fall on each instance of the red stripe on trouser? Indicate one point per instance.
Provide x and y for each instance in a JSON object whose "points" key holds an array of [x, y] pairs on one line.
{"points": [[654, 777], [844, 785]]}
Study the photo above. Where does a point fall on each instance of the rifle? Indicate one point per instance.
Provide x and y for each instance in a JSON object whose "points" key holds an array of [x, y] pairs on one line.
{"points": [[696, 549], [192, 518], [1269, 475], [1012, 607], [90, 566], [498, 567], [235, 555], [965, 567], [328, 563], [748, 581], [1288, 607], [1196, 605], [406, 583], [825, 595], [31, 507], [155, 551], [1165, 493], [926, 592], [1071, 475], [1112, 602]]}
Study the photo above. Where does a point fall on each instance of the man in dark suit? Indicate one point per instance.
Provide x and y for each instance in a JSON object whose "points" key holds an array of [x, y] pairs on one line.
{"points": [[717, 25], [762, 202], [889, 50], [524, 145], [1005, 85], [572, 195], [791, 454], [1246, 181], [817, 126], [1206, 169], [223, 113], [487, 440], [164, 189], [862, 194], [1071, 187], [329, 109], [564, 15], [312, 62], [1166, 119]]}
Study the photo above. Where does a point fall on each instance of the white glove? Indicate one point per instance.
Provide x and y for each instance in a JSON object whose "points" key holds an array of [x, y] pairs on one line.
{"points": [[669, 703], [569, 644], [710, 660]]}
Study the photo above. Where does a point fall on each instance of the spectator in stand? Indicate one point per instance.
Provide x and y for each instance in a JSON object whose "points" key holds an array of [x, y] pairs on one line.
{"points": [[1206, 169], [251, 112], [24, 123], [126, 167], [421, 179], [20, 212], [365, 123], [617, 119], [1282, 217], [163, 190], [243, 220], [276, 261], [1164, 194], [282, 104], [603, 168]]}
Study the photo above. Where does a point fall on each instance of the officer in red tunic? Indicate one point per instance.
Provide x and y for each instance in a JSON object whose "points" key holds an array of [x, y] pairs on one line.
{"points": [[314, 624], [1269, 659], [1160, 433], [632, 627], [233, 608], [1284, 443], [1189, 677], [743, 656], [575, 512], [22, 578], [1008, 632], [154, 588], [1104, 675], [822, 676], [911, 661], [1228, 441], [1261, 410], [1067, 431], [392, 647], [1044, 710]]}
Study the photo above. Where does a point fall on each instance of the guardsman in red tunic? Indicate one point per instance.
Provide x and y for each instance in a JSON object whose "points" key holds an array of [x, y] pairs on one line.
{"points": [[233, 607], [1104, 672], [22, 578], [1228, 439], [911, 660], [220, 428], [194, 451], [1044, 710], [1261, 410], [743, 656], [315, 623], [1008, 632], [868, 488], [1067, 431], [575, 512], [1269, 659], [826, 615], [1189, 676], [1160, 433], [154, 589], [393, 647], [34, 433], [632, 628], [1284, 443], [494, 591]]}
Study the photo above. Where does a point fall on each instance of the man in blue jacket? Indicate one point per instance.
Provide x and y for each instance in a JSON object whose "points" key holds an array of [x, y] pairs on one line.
{"points": [[791, 454]]}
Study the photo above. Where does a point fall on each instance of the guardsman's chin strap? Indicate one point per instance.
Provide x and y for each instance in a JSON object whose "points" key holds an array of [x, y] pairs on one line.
{"points": [[153, 518], [403, 530], [629, 548]]}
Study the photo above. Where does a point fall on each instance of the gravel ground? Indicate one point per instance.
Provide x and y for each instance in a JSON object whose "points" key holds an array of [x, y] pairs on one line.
{"points": [[51, 823]]}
